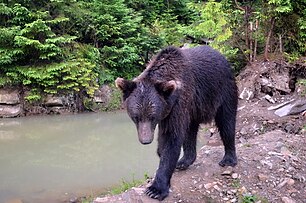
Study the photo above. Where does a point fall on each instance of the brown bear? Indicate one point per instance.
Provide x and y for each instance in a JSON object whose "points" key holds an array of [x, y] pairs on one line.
{"points": [[179, 90]]}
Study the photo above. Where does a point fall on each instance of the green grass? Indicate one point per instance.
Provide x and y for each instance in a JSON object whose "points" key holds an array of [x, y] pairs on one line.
{"points": [[125, 185], [236, 183], [89, 199], [122, 187], [249, 199], [253, 198]]}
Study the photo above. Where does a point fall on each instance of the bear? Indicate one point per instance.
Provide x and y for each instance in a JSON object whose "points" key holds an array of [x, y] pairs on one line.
{"points": [[180, 89]]}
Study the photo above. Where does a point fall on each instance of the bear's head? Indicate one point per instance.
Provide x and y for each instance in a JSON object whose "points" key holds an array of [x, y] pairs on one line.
{"points": [[148, 103]]}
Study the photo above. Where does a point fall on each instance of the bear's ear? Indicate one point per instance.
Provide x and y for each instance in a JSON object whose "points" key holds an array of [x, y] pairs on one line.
{"points": [[126, 86], [167, 88]]}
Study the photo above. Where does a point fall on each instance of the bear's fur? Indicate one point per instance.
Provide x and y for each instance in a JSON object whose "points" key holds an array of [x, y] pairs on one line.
{"points": [[179, 90]]}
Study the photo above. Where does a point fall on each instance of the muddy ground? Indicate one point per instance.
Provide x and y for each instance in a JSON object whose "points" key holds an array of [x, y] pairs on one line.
{"points": [[271, 153]]}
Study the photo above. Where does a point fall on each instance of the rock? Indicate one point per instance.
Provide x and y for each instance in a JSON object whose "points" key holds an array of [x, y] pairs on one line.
{"points": [[292, 108], [138, 190], [243, 131], [101, 200], [287, 200], [280, 105], [290, 181], [269, 99], [233, 200], [246, 94], [235, 175], [208, 185], [225, 198], [52, 100], [262, 177], [8, 96], [227, 172], [9, 111], [103, 94], [216, 187], [73, 200], [281, 184], [242, 190], [285, 151]]}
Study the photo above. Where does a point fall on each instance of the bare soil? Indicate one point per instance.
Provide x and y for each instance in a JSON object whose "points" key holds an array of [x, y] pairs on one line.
{"points": [[271, 166]]}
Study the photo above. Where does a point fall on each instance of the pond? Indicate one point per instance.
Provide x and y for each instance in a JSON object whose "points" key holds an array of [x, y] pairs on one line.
{"points": [[54, 158]]}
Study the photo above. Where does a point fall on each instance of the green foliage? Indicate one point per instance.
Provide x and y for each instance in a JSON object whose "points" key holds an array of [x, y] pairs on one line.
{"points": [[252, 198], [113, 103], [303, 83], [34, 95], [115, 100], [166, 26], [236, 183], [249, 199], [33, 55], [52, 46], [213, 27]]}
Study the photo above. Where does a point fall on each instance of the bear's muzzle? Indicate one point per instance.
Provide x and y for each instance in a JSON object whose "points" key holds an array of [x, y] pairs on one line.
{"points": [[145, 132]]}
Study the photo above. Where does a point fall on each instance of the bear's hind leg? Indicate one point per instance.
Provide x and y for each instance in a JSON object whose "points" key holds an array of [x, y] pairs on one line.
{"points": [[189, 147], [226, 121]]}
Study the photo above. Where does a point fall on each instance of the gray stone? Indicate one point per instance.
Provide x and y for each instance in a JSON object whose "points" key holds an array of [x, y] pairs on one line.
{"points": [[52, 100], [235, 175], [9, 111], [8, 96], [292, 108], [246, 93], [287, 200], [103, 95], [269, 99], [262, 177], [280, 105]]}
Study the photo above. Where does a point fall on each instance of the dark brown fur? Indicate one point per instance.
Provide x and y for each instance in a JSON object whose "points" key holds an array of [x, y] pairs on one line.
{"points": [[180, 89]]}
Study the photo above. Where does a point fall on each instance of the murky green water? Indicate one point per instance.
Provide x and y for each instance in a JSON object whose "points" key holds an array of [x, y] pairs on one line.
{"points": [[53, 158]]}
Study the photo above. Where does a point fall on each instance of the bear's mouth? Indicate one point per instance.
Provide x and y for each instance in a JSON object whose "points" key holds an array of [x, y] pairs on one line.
{"points": [[145, 132]]}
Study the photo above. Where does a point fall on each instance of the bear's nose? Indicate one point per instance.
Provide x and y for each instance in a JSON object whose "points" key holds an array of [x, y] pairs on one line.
{"points": [[145, 132]]}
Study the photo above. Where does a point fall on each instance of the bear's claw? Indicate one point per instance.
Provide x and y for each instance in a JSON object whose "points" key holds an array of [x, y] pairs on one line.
{"points": [[156, 193]]}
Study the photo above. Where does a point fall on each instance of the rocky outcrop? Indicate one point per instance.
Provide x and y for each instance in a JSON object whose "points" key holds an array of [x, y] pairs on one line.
{"points": [[14, 104], [9, 103]]}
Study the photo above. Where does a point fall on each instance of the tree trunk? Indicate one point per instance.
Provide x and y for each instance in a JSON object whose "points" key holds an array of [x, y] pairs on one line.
{"points": [[251, 42], [255, 43], [268, 39], [280, 43]]}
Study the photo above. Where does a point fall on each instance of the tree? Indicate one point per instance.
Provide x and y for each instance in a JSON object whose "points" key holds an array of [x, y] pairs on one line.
{"points": [[212, 27], [33, 55]]}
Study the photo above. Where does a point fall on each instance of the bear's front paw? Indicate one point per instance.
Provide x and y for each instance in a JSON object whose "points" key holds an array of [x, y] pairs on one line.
{"points": [[156, 192], [228, 160]]}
